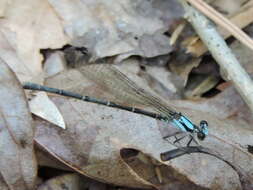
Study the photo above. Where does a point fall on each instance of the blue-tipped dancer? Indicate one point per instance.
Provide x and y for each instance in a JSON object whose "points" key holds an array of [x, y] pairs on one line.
{"points": [[122, 87]]}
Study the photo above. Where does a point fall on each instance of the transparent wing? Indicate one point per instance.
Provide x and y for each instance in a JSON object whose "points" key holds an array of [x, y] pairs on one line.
{"points": [[123, 89], [120, 86]]}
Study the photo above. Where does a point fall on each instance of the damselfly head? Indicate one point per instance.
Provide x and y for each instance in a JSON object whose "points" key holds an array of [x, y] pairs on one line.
{"points": [[203, 130]]}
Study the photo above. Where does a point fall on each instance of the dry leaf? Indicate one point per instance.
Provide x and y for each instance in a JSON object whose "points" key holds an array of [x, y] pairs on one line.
{"points": [[227, 104], [227, 6], [164, 83], [63, 182], [198, 85], [45, 160], [184, 69], [242, 19], [9, 53], [43, 107], [17, 162], [54, 64], [106, 34], [244, 56], [96, 135], [26, 28]]}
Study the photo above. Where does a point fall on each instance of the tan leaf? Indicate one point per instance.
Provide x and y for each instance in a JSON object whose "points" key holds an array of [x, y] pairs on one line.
{"points": [[18, 162], [96, 137], [67, 181], [43, 107], [28, 27], [227, 104], [105, 34]]}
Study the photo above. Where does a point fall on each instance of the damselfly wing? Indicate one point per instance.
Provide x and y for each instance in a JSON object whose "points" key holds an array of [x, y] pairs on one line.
{"points": [[124, 89]]}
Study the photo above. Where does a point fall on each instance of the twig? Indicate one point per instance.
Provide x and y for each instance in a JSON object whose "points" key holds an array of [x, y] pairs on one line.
{"points": [[221, 53], [222, 21], [242, 19]]}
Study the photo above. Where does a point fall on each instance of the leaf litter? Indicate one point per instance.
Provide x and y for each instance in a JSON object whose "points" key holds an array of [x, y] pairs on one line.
{"points": [[116, 128], [97, 138]]}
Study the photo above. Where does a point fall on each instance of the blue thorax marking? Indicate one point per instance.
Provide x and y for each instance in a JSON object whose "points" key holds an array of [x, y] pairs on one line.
{"points": [[184, 124]]}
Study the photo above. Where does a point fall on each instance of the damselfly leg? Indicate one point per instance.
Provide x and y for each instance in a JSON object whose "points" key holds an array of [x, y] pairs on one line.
{"points": [[181, 140], [178, 139], [192, 139]]}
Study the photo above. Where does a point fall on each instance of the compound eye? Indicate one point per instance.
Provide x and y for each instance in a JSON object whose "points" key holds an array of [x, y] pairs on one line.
{"points": [[203, 123]]}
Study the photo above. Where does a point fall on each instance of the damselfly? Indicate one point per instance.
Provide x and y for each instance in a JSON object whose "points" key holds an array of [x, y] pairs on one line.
{"points": [[121, 86]]}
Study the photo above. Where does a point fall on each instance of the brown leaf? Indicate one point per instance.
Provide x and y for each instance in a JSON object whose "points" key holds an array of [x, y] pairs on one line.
{"points": [[244, 56], [184, 69], [164, 83], [96, 135], [225, 105], [26, 28], [227, 6], [198, 85], [18, 163], [80, 141], [63, 182], [105, 34]]}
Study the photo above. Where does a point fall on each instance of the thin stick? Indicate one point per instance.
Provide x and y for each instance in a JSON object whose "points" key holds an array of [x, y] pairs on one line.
{"points": [[223, 21], [221, 53], [243, 18]]}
